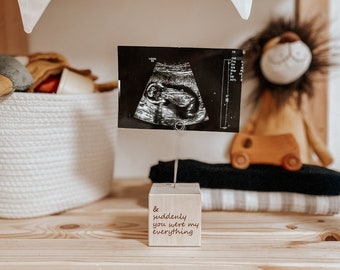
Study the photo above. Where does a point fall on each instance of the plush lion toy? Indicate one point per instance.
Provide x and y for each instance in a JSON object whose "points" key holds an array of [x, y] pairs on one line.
{"points": [[283, 58]]}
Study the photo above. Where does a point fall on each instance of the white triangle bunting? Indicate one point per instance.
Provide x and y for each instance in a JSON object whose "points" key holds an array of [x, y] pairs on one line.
{"points": [[243, 7], [31, 11]]}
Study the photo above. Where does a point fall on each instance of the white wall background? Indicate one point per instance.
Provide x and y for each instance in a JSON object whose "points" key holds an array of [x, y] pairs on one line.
{"points": [[88, 32]]}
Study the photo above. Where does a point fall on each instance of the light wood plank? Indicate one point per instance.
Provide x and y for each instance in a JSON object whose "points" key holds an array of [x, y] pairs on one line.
{"points": [[317, 108], [175, 215], [113, 232], [2, 27], [13, 39]]}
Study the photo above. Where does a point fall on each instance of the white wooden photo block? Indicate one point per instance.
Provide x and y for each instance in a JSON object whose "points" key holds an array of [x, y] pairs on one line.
{"points": [[175, 214]]}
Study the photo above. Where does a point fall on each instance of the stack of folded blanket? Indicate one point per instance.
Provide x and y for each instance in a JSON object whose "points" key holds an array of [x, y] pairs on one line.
{"points": [[312, 189]]}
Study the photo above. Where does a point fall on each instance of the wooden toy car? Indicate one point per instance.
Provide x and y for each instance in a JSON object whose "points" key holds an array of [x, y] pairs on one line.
{"points": [[279, 150]]}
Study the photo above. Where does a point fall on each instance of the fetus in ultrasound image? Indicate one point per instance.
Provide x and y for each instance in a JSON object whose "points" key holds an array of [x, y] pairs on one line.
{"points": [[177, 88], [171, 97]]}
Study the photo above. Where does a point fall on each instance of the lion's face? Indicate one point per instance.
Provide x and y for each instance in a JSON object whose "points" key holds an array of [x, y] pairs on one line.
{"points": [[284, 63]]}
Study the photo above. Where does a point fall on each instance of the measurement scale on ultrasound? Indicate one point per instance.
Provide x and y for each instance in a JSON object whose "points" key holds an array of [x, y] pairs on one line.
{"points": [[228, 78]]}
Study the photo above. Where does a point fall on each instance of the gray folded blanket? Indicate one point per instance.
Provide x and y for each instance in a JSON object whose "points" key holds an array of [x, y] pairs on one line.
{"points": [[16, 72]]}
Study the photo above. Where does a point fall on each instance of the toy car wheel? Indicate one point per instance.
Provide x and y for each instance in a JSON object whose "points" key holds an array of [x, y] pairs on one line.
{"points": [[292, 162], [240, 160]]}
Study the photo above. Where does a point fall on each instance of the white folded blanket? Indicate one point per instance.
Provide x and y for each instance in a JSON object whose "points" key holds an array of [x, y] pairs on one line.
{"points": [[240, 200]]}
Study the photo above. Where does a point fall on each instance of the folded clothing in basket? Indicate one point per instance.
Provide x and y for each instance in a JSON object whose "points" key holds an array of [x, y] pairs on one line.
{"points": [[13, 75], [313, 189]]}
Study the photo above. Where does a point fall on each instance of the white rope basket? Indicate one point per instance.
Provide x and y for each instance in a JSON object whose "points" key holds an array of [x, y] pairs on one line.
{"points": [[56, 152]]}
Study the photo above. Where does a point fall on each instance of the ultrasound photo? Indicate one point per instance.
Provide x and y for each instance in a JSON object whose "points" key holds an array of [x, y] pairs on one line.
{"points": [[171, 97], [187, 88]]}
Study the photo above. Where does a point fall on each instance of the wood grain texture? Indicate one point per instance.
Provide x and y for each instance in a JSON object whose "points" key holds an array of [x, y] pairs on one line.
{"points": [[175, 215], [13, 39], [113, 234], [317, 108]]}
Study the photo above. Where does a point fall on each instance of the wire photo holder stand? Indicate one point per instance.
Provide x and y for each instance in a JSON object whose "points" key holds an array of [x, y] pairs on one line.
{"points": [[178, 89], [175, 208], [179, 127]]}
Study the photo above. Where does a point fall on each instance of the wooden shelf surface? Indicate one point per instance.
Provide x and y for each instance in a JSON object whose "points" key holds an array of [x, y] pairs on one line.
{"points": [[113, 234]]}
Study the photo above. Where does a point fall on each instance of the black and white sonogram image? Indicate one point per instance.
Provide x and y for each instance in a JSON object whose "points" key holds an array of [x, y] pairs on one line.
{"points": [[191, 88], [171, 97]]}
